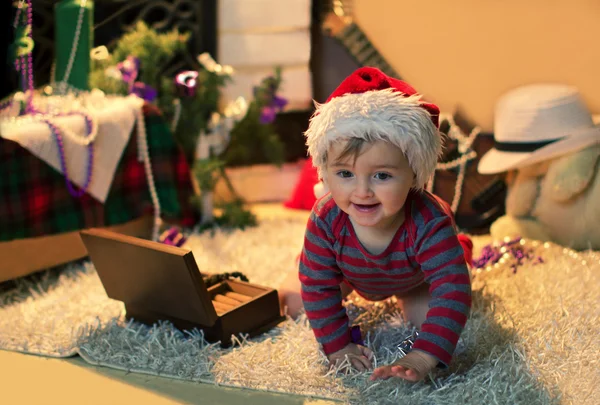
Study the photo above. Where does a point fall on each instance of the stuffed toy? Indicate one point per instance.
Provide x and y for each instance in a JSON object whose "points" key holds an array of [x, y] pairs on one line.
{"points": [[546, 138]]}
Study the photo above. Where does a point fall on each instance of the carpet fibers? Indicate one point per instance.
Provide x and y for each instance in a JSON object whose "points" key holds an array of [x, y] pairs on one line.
{"points": [[532, 337]]}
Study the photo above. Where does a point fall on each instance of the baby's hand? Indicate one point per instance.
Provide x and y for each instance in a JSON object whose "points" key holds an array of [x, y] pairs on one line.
{"points": [[412, 367], [360, 357]]}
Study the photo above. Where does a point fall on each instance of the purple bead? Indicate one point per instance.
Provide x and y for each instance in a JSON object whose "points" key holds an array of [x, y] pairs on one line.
{"points": [[20, 64], [24, 64], [61, 154], [355, 335]]}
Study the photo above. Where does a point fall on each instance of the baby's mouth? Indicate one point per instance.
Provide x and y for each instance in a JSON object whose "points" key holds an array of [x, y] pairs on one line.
{"points": [[366, 207]]}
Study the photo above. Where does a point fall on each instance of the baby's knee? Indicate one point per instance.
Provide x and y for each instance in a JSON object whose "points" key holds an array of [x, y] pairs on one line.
{"points": [[290, 303], [289, 295]]}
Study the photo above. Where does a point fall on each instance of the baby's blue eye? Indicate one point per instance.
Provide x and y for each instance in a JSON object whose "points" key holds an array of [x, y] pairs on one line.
{"points": [[382, 176], [344, 174]]}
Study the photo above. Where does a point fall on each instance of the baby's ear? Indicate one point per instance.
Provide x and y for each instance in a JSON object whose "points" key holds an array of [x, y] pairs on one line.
{"points": [[320, 189]]}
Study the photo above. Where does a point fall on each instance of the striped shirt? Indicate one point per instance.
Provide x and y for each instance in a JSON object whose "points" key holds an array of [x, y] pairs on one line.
{"points": [[424, 249]]}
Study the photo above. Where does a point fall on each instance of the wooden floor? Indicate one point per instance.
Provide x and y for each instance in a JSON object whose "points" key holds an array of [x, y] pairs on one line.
{"points": [[33, 380]]}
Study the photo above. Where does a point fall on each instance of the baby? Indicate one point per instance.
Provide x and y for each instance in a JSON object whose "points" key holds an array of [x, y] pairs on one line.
{"points": [[375, 144]]}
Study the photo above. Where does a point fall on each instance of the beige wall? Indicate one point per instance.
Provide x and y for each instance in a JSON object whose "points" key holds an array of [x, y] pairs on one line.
{"points": [[468, 52]]}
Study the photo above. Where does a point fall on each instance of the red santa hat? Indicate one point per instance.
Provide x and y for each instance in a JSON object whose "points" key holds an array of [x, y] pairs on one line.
{"points": [[372, 106]]}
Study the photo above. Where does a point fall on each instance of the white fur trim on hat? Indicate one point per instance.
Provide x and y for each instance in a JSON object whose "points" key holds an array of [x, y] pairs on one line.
{"points": [[385, 115]]}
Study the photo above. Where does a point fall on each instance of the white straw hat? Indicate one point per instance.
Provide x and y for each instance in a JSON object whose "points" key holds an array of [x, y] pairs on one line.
{"points": [[535, 123]]}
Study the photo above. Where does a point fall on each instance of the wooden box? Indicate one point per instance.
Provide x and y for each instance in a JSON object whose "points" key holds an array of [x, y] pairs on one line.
{"points": [[161, 282]]}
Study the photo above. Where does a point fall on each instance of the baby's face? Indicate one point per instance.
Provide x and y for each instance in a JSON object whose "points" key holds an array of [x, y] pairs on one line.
{"points": [[372, 190]]}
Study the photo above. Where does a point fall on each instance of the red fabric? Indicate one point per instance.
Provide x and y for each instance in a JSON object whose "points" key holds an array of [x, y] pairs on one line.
{"points": [[467, 245], [464, 240], [370, 78], [303, 197]]}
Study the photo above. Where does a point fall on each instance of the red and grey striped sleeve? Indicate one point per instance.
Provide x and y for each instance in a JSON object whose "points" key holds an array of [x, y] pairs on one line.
{"points": [[320, 278], [441, 258]]}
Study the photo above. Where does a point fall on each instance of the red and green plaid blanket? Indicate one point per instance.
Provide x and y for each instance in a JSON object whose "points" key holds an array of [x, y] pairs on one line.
{"points": [[34, 200]]}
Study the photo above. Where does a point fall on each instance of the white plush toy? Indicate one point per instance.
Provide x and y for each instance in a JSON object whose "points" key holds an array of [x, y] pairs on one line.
{"points": [[545, 136]]}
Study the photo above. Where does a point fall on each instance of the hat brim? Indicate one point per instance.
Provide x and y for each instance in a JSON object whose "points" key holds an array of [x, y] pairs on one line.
{"points": [[495, 161]]}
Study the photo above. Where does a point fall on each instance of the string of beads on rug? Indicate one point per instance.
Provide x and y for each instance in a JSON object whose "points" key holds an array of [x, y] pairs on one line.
{"points": [[514, 251]]}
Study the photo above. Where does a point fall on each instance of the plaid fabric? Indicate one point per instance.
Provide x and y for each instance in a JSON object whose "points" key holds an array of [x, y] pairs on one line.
{"points": [[34, 200]]}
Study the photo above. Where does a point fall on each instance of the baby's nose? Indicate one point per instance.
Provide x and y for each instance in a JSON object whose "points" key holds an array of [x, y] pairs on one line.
{"points": [[363, 189]]}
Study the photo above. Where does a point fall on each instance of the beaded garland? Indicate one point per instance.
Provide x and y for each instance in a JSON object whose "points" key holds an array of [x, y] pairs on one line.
{"points": [[465, 143], [144, 156], [84, 103], [513, 252], [91, 126], [63, 84], [516, 252], [63, 164], [46, 109], [26, 69]]}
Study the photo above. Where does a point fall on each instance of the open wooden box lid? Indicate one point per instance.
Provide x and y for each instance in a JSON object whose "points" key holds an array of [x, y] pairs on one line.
{"points": [[160, 278]]}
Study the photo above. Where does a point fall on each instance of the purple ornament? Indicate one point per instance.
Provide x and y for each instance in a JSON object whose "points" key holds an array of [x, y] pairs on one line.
{"points": [[145, 92], [356, 336], [172, 237], [279, 102], [268, 113], [129, 69], [185, 83]]}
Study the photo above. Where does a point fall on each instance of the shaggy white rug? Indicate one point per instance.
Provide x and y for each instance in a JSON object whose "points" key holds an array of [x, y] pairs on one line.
{"points": [[532, 337]]}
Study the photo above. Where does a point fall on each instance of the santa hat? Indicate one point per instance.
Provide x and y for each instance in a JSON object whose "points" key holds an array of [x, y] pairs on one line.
{"points": [[372, 106]]}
